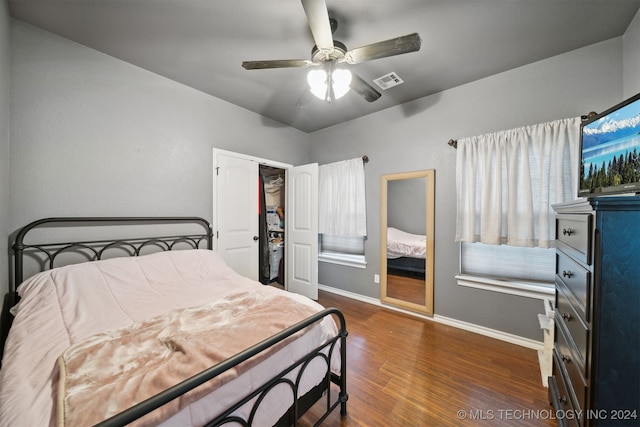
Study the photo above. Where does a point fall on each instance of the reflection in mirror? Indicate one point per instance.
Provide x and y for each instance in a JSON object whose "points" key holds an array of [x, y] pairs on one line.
{"points": [[407, 225], [406, 239]]}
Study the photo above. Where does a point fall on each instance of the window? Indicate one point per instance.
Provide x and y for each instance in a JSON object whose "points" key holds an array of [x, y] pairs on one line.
{"points": [[506, 184], [342, 212], [508, 269], [344, 250]]}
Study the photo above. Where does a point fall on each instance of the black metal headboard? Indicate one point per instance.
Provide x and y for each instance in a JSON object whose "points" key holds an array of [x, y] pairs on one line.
{"points": [[95, 249]]}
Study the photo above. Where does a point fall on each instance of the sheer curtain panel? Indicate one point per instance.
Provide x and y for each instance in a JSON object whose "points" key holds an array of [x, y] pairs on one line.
{"points": [[342, 204], [507, 181]]}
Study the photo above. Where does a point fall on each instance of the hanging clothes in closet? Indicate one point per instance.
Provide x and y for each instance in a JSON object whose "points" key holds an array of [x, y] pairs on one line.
{"points": [[272, 247]]}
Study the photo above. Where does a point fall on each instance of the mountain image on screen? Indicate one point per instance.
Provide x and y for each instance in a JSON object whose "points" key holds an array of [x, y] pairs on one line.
{"points": [[610, 155], [611, 130]]}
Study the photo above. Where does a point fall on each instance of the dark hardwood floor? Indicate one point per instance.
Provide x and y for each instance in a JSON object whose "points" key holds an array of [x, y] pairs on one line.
{"points": [[407, 371]]}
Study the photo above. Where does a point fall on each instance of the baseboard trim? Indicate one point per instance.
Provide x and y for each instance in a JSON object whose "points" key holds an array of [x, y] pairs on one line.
{"points": [[492, 333]]}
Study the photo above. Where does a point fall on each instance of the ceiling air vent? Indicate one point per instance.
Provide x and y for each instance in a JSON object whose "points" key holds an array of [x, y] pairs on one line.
{"points": [[387, 81]]}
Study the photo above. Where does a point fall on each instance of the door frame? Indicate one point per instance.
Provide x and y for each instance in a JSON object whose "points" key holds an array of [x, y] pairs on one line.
{"points": [[288, 242]]}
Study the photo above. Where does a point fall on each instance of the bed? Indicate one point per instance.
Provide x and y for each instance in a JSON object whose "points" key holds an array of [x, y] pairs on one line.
{"points": [[406, 253], [160, 331]]}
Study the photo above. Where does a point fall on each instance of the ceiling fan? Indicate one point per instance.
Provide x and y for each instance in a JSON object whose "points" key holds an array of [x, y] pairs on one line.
{"points": [[329, 80]]}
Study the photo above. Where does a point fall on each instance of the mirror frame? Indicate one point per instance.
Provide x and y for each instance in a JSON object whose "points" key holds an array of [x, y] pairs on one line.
{"points": [[429, 175]]}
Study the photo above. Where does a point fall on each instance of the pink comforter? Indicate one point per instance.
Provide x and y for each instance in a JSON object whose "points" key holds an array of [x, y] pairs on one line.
{"points": [[112, 371], [65, 306]]}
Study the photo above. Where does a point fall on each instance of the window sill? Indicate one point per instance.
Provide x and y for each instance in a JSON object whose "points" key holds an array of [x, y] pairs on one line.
{"points": [[524, 289], [349, 261]]}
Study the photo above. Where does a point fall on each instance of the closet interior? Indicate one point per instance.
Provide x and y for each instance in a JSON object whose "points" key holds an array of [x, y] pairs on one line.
{"points": [[272, 217]]}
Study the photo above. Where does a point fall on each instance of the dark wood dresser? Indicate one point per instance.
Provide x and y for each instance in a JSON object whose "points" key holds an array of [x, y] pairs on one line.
{"points": [[596, 356]]}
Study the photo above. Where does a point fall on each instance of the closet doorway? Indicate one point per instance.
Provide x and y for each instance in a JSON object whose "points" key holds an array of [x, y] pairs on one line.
{"points": [[271, 224], [242, 211]]}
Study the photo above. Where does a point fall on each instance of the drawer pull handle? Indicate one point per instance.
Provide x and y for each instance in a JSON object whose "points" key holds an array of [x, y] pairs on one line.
{"points": [[566, 316], [567, 231], [563, 399], [565, 359], [567, 274]]}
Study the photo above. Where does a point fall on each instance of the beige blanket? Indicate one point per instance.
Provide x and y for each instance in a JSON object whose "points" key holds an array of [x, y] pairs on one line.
{"points": [[110, 372]]}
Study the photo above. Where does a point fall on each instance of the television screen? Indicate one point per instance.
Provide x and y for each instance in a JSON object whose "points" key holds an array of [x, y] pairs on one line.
{"points": [[610, 151]]}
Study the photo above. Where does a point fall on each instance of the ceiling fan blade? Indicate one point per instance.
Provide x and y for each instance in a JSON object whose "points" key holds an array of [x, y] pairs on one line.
{"points": [[383, 49], [318, 18], [363, 88], [276, 63]]}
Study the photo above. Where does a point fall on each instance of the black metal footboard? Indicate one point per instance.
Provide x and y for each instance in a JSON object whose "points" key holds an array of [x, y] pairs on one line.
{"points": [[323, 351]]}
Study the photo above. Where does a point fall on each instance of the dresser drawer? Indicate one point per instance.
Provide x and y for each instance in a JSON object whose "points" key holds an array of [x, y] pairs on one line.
{"points": [[559, 396], [575, 232], [577, 279], [566, 358], [578, 331]]}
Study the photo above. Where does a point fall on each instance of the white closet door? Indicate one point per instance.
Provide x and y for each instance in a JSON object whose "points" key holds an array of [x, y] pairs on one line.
{"points": [[301, 230], [237, 214]]}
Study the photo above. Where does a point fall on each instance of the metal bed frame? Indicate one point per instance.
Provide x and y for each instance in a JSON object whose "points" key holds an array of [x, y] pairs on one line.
{"points": [[96, 250]]}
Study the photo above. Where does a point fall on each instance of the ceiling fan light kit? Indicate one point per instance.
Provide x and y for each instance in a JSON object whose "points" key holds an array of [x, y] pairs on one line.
{"points": [[329, 85], [328, 82]]}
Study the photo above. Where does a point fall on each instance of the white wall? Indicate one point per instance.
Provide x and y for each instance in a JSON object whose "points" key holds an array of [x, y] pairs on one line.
{"points": [[414, 136], [93, 135], [5, 59], [631, 61]]}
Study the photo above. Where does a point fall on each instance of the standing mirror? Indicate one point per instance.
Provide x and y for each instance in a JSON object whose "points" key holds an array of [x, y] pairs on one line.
{"points": [[407, 218]]}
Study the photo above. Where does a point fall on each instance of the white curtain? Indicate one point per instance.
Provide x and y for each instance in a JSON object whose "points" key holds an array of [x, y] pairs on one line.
{"points": [[507, 181], [342, 205]]}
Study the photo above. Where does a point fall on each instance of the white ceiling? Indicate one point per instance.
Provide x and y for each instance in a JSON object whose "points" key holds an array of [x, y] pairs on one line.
{"points": [[202, 43]]}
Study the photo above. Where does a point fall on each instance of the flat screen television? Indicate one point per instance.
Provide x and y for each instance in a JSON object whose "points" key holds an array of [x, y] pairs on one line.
{"points": [[610, 151]]}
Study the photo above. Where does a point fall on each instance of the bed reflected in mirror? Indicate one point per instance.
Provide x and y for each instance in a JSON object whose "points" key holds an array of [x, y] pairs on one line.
{"points": [[407, 228]]}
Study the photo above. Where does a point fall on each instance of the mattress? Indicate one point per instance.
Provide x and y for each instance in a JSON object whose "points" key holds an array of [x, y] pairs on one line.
{"points": [[403, 244], [65, 306]]}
